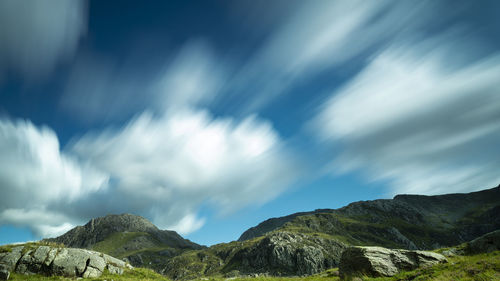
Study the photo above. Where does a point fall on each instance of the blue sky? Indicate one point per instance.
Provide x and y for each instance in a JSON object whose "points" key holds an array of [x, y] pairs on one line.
{"points": [[208, 117]]}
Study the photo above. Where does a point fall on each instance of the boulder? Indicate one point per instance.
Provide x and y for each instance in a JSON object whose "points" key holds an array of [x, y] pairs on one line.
{"points": [[67, 262], [378, 261], [487, 243]]}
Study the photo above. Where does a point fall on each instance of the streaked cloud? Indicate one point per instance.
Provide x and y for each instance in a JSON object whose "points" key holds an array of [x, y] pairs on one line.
{"points": [[418, 118], [103, 91], [164, 168], [319, 35], [34, 174], [36, 36]]}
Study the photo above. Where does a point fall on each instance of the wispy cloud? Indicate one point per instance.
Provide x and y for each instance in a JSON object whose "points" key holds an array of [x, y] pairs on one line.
{"points": [[100, 90], [37, 36], [319, 35], [417, 117]]}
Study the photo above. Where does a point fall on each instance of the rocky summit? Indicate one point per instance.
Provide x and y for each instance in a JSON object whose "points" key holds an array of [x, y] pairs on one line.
{"points": [[69, 262], [129, 237]]}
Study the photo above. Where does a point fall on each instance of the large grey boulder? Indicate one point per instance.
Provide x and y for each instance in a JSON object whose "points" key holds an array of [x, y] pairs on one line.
{"points": [[378, 261], [67, 262], [487, 243]]}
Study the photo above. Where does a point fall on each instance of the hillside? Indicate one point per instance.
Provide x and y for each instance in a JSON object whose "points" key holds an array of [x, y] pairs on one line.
{"points": [[308, 243], [127, 236]]}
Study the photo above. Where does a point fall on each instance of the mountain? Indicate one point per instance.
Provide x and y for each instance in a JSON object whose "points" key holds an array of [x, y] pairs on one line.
{"points": [[410, 221], [127, 236], [310, 242]]}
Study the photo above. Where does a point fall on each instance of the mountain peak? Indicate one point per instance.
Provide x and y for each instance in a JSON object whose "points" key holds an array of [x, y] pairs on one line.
{"points": [[121, 223], [99, 229]]}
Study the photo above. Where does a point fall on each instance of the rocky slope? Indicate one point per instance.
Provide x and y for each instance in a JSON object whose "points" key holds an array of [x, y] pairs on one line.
{"points": [[307, 243], [129, 237], [279, 253]]}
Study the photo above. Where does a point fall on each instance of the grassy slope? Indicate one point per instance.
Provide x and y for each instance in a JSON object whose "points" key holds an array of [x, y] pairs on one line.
{"points": [[115, 244], [483, 267]]}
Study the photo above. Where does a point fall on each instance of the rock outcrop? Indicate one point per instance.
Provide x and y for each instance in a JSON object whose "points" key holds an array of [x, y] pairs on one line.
{"points": [[286, 253], [487, 243], [69, 262], [278, 254], [378, 261]]}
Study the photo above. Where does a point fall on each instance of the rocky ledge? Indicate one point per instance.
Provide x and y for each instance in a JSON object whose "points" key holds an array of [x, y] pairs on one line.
{"points": [[67, 262], [378, 261]]}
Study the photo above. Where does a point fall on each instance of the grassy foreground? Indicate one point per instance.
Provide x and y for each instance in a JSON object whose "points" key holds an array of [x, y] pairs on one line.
{"points": [[483, 267]]}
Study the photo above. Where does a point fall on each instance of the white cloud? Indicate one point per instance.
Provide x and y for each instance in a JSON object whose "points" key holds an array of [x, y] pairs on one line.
{"points": [[187, 224], [35, 174], [168, 166], [191, 79], [415, 117], [323, 34], [43, 222], [37, 35], [164, 168]]}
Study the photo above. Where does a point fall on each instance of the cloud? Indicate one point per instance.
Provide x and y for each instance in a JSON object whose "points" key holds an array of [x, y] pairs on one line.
{"points": [[162, 167], [35, 174], [100, 90], [37, 36], [320, 35], [167, 167], [417, 117]]}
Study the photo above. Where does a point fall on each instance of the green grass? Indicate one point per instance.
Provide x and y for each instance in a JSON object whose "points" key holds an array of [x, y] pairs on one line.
{"points": [[115, 241], [30, 246], [140, 274]]}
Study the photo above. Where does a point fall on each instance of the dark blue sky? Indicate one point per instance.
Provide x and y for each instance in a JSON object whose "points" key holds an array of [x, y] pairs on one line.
{"points": [[208, 117]]}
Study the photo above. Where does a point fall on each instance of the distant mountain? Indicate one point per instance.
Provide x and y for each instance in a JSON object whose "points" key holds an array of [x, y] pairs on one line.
{"points": [[127, 236], [310, 242]]}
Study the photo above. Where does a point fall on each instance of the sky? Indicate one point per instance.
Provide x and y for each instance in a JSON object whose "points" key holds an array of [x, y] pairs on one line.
{"points": [[208, 117]]}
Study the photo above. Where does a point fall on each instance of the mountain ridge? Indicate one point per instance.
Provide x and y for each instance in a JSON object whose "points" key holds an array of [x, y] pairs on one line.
{"points": [[277, 222]]}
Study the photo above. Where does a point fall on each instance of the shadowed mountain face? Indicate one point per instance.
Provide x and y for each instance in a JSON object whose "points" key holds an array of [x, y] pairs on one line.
{"points": [[309, 242], [127, 236]]}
